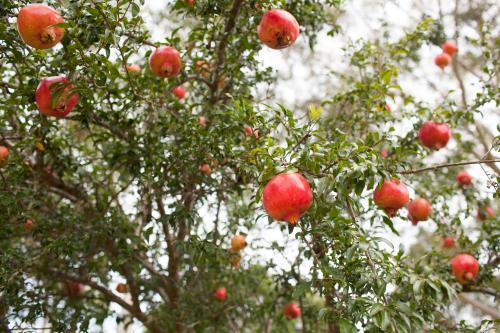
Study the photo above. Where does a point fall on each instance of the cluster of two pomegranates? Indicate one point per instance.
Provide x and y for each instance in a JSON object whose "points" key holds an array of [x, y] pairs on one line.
{"points": [[443, 59]]}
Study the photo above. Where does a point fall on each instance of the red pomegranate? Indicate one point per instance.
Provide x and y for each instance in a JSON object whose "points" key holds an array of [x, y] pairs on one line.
{"points": [[434, 135], [391, 196], [29, 225], [202, 121], [4, 153], [384, 153], [121, 288], [464, 267], [133, 69], [463, 178], [179, 92], [36, 24], [450, 48], [221, 294], [291, 311], [486, 213], [278, 29], [388, 107], [205, 168], [419, 210], [442, 60], [165, 61], [448, 242], [73, 289], [287, 196], [65, 96]]}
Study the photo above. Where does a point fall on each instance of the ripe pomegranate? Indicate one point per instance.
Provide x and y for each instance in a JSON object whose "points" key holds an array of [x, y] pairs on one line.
{"points": [[464, 267], [419, 210], [450, 48], [291, 311], [57, 101], [391, 196], [249, 131], [165, 61], [133, 69], [238, 242], [287, 196], [221, 294], [448, 242], [278, 29], [442, 60], [434, 135], [205, 168], [73, 289], [463, 178], [202, 121], [179, 92], [29, 225], [36, 24], [121, 288], [190, 2], [384, 153], [4, 153], [486, 213]]}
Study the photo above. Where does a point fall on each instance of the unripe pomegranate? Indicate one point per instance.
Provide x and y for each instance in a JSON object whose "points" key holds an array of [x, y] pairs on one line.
{"points": [[486, 213], [291, 311], [442, 60], [202, 121], [434, 135], [121, 288], [391, 196], [4, 153], [463, 178], [179, 92], [419, 210], [29, 225], [73, 289], [464, 267], [450, 48], [165, 61], [36, 24], [448, 242], [205, 168], [221, 294], [57, 100], [133, 69], [278, 29], [238, 242], [287, 196]]}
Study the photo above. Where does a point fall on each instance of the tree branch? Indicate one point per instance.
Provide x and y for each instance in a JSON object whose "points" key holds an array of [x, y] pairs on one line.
{"points": [[440, 166]]}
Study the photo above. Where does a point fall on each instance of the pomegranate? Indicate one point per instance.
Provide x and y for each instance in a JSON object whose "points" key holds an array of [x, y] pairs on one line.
{"points": [[287, 196], [165, 61], [73, 289], [202, 121], [4, 153], [57, 101], [121, 288], [235, 260], [278, 29], [486, 213], [463, 178], [388, 107], [203, 68], [419, 210], [291, 311], [434, 135], [29, 225], [133, 69], [450, 48], [448, 242], [384, 153], [464, 267], [36, 24], [442, 60], [221, 294], [391, 196], [249, 131], [179, 92], [205, 168], [238, 243]]}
